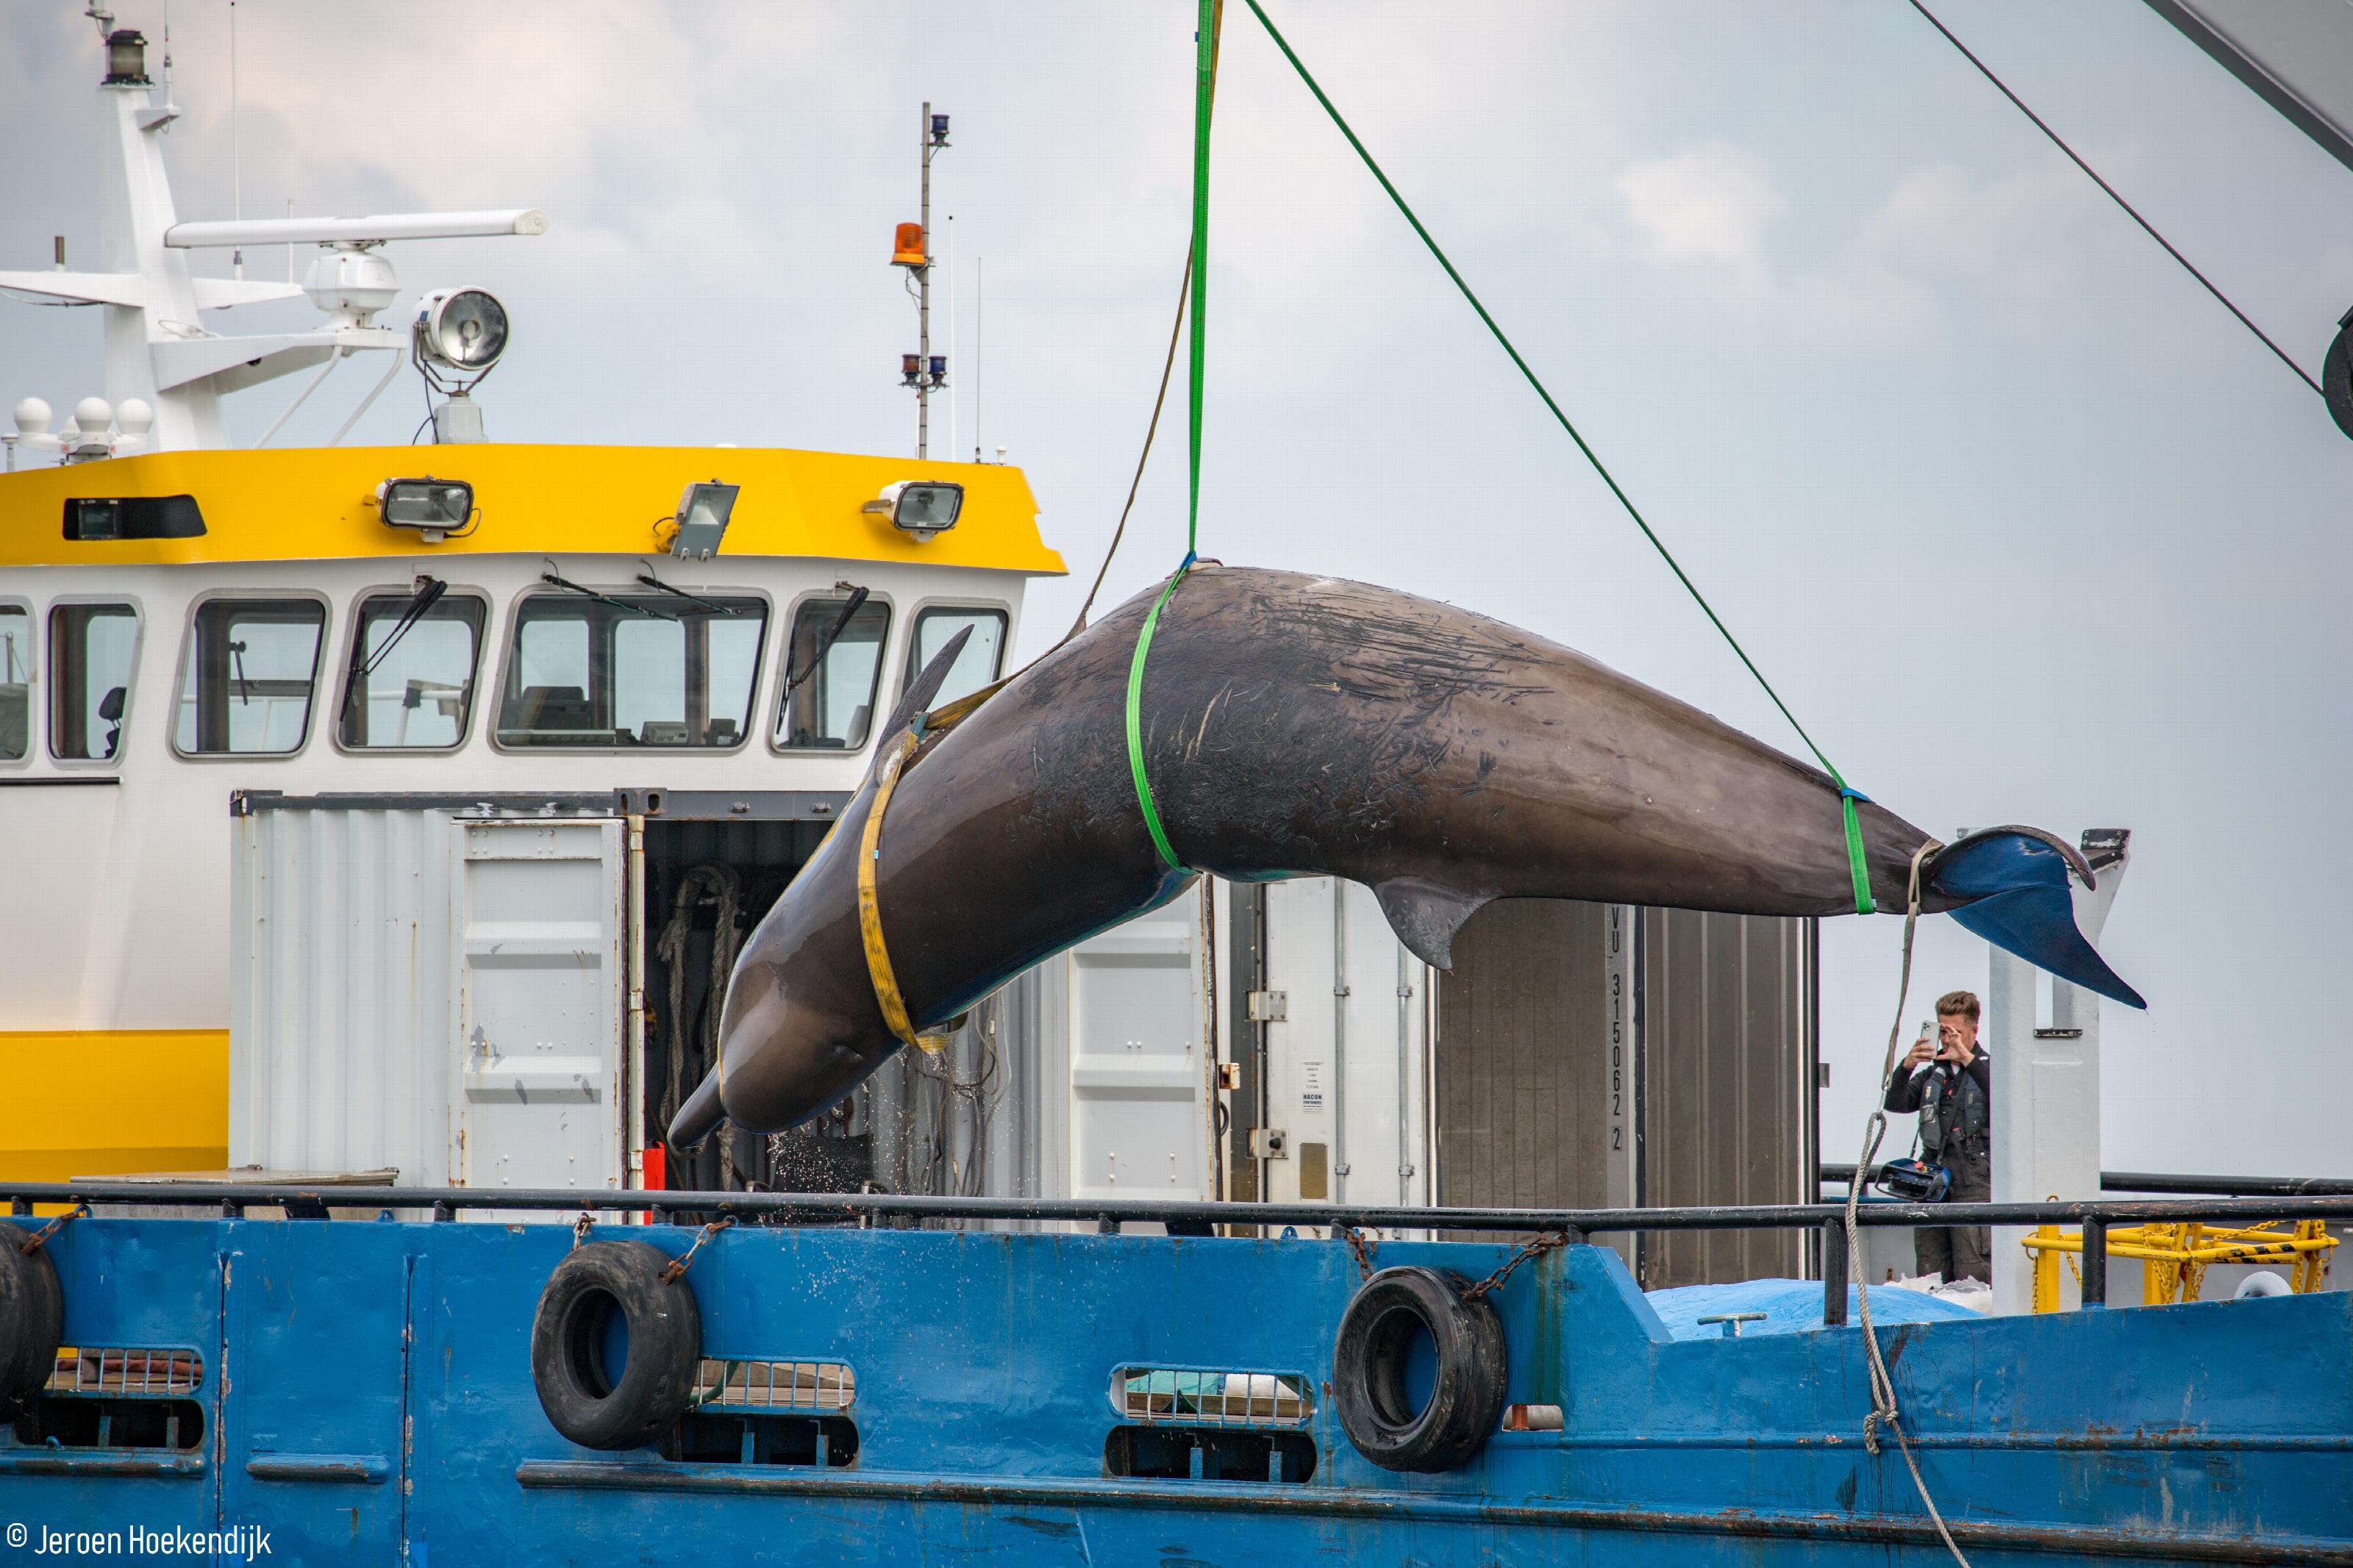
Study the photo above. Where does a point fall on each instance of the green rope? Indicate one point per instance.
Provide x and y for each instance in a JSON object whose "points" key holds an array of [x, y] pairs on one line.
{"points": [[1855, 861]]}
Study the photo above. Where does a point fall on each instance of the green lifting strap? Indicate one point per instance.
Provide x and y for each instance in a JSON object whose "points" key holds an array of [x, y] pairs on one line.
{"points": [[1205, 88], [1135, 721], [1856, 864]]}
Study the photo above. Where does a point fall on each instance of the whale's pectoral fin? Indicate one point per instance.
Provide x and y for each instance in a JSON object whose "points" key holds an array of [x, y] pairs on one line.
{"points": [[1426, 916], [2013, 882], [699, 1114]]}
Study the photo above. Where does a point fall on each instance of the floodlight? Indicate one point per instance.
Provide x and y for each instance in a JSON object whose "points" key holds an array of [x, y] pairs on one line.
{"points": [[919, 507], [463, 328], [435, 508], [702, 513]]}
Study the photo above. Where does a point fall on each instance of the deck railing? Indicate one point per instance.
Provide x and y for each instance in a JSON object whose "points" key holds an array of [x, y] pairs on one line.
{"points": [[2096, 1217]]}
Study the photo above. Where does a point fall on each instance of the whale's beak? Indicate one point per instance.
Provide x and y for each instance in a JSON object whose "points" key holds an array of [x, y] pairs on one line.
{"points": [[698, 1115], [2012, 887]]}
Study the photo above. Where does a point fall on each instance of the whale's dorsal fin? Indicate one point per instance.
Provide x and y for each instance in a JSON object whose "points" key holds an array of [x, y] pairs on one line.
{"points": [[1426, 916]]}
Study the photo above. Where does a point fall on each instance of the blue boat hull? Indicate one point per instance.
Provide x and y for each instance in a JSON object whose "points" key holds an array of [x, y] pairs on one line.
{"points": [[367, 1397]]}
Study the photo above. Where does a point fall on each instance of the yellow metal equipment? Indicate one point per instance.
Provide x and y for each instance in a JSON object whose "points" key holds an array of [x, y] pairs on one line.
{"points": [[2174, 1258]]}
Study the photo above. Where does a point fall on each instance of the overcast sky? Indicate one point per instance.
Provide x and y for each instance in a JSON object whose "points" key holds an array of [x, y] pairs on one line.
{"points": [[2024, 525]]}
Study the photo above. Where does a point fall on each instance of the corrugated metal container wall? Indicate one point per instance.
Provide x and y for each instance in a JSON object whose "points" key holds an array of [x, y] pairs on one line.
{"points": [[339, 997], [1520, 1107], [436, 993], [1728, 1069], [1553, 1092]]}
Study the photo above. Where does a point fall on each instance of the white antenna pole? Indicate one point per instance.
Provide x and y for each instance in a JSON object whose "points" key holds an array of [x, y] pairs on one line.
{"points": [[977, 301], [236, 150], [924, 299], [167, 60], [953, 426]]}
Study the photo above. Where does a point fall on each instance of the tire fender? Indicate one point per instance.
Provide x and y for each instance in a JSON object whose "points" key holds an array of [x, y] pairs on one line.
{"points": [[1396, 1306], [32, 1316], [582, 1401]]}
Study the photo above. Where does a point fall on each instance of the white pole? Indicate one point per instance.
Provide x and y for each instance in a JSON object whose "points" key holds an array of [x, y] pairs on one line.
{"points": [[235, 148], [952, 377], [978, 302]]}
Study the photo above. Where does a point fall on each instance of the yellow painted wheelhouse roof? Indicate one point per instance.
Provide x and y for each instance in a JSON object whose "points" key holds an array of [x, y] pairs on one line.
{"points": [[318, 504]]}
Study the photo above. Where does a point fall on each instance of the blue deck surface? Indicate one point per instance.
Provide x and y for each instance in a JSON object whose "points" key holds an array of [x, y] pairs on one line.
{"points": [[1791, 1307], [368, 1399]]}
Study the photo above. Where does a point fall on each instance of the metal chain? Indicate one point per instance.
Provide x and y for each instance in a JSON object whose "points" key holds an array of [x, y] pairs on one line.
{"points": [[1361, 1248], [1536, 1248], [32, 1244], [681, 1264], [580, 1228]]}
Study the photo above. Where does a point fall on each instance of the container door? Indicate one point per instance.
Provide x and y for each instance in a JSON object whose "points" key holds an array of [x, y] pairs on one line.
{"points": [[1347, 1038], [1139, 1102], [537, 907]]}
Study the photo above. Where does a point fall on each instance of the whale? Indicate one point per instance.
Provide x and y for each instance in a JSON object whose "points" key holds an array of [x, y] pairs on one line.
{"points": [[1296, 725]]}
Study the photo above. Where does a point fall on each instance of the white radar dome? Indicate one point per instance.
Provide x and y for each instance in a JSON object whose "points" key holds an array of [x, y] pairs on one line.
{"points": [[33, 416]]}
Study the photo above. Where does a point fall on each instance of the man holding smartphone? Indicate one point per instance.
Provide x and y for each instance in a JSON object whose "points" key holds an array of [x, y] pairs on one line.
{"points": [[1947, 1079]]}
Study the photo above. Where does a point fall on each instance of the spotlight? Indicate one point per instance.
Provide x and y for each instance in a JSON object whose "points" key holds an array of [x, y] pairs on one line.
{"points": [[463, 328], [919, 507], [435, 508], [702, 513]]}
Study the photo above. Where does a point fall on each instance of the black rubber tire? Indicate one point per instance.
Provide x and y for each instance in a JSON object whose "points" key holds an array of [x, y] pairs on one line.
{"points": [[1466, 1402], [665, 1329], [2336, 378], [32, 1316]]}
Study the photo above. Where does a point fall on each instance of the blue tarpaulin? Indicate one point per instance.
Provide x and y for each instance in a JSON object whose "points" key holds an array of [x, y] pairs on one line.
{"points": [[1791, 1306]]}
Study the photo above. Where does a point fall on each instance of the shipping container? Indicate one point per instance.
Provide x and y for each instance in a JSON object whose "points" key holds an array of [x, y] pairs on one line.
{"points": [[519, 990]]}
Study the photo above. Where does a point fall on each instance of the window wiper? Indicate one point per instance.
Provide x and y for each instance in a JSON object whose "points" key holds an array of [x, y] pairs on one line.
{"points": [[824, 644], [428, 593], [244, 687], [658, 585], [568, 584]]}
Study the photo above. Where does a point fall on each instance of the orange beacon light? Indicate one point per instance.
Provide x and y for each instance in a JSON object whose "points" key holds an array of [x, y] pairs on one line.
{"points": [[908, 251]]}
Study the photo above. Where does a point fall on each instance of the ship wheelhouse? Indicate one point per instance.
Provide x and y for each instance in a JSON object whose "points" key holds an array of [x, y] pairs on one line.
{"points": [[282, 638]]}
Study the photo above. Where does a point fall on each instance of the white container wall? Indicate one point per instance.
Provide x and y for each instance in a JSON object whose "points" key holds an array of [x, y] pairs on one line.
{"points": [[1347, 1058], [418, 991]]}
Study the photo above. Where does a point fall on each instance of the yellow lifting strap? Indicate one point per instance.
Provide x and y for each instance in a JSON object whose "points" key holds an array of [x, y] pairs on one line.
{"points": [[870, 855], [870, 910]]}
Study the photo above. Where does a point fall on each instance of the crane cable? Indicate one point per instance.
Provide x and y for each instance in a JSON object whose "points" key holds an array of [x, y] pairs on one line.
{"points": [[1857, 865], [2148, 227]]}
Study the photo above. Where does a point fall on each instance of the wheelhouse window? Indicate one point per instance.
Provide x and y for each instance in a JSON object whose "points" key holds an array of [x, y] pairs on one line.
{"points": [[93, 650], [411, 682], [631, 670], [15, 683], [246, 681], [976, 666], [833, 665]]}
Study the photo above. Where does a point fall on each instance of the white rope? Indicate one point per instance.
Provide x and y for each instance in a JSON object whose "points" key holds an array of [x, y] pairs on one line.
{"points": [[1883, 1409]]}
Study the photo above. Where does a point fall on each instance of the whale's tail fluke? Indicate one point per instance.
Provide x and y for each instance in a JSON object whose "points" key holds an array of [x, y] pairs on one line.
{"points": [[2013, 887]]}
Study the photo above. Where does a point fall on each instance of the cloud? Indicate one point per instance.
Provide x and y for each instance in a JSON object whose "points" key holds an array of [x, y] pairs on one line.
{"points": [[1709, 204]]}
